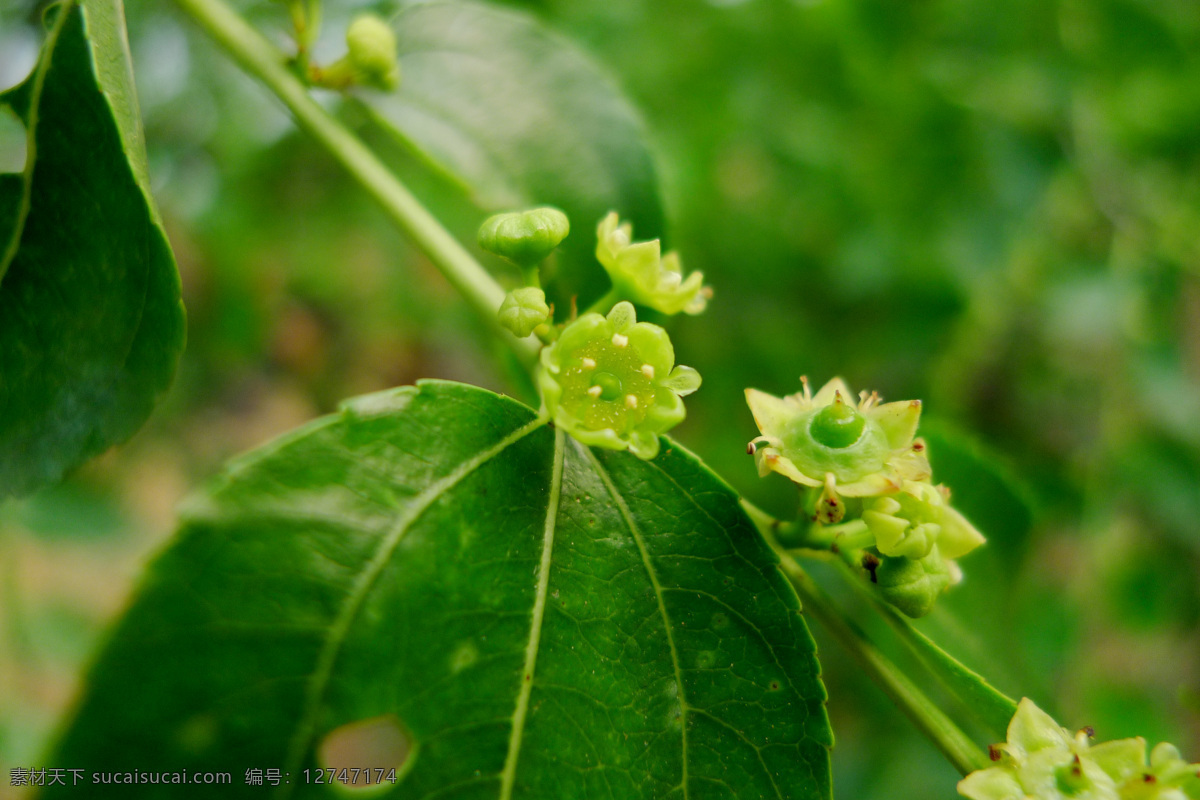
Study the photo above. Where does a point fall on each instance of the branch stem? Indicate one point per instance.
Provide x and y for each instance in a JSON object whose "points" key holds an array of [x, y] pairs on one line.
{"points": [[930, 720], [982, 700], [268, 65]]}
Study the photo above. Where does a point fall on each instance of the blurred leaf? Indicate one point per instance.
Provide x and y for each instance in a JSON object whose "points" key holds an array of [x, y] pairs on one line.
{"points": [[1163, 475], [509, 606], [91, 323], [69, 510], [521, 117], [981, 485]]}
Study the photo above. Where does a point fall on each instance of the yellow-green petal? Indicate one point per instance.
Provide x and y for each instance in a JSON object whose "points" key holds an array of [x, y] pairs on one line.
{"points": [[958, 536], [994, 783], [1032, 729]]}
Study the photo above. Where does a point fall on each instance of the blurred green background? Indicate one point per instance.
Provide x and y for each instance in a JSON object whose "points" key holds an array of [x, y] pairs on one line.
{"points": [[992, 206]]}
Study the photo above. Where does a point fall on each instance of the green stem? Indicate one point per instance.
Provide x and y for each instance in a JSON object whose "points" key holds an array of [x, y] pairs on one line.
{"points": [[852, 535], [985, 702], [930, 720], [532, 276], [767, 525], [266, 63], [955, 745]]}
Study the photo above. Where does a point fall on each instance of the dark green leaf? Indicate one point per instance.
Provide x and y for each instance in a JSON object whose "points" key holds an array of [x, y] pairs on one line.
{"points": [[91, 323], [521, 117], [538, 620]]}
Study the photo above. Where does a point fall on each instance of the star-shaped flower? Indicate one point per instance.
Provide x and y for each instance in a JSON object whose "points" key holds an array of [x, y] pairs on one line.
{"points": [[1045, 761], [612, 382], [853, 449]]}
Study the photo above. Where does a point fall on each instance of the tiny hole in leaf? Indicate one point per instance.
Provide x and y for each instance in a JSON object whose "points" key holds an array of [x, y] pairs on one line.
{"points": [[20, 45], [375, 744]]}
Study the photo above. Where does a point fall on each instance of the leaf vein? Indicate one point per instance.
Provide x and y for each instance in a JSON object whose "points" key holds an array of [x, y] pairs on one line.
{"points": [[366, 580], [508, 776], [627, 516], [757, 750]]}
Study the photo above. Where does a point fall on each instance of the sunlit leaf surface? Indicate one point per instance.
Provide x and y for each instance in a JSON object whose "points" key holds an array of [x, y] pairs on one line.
{"points": [[436, 578]]}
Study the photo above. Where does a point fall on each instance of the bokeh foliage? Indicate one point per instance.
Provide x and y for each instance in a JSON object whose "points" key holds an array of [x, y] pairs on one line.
{"points": [[991, 206]]}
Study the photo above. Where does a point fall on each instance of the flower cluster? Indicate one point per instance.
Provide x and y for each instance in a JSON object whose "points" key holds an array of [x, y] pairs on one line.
{"points": [[611, 381], [863, 457], [1044, 761], [641, 273]]}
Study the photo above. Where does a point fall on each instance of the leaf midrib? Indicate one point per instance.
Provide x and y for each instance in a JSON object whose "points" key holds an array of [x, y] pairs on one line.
{"points": [[508, 776], [366, 580]]}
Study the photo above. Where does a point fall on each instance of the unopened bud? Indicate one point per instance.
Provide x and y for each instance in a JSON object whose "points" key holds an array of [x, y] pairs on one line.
{"points": [[372, 49], [524, 237], [523, 310]]}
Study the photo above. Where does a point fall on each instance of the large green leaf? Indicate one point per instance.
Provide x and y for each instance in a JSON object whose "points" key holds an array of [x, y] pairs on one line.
{"points": [[91, 323], [520, 116], [539, 619]]}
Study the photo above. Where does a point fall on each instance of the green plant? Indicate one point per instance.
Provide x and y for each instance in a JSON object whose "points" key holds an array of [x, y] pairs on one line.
{"points": [[490, 596]]}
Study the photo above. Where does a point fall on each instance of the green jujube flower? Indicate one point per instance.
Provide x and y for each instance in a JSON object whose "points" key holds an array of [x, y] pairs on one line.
{"points": [[853, 449], [1044, 761], [914, 519], [641, 273], [524, 237], [612, 382]]}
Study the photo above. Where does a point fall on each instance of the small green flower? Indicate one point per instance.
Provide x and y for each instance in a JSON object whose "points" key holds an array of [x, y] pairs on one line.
{"points": [[612, 382], [642, 274], [1044, 761], [524, 237], [909, 523], [523, 310], [1041, 760], [858, 449], [372, 51]]}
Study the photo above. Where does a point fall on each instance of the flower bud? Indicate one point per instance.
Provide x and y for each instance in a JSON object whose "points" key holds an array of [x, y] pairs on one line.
{"points": [[913, 584], [372, 51], [1044, 760], [523, 310], [524, 237], [909, 523]]}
